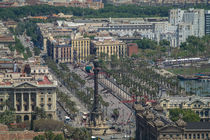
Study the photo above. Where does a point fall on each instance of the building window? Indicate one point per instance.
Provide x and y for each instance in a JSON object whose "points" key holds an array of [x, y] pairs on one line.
{"points": [[202, 136], [42, 99], [201, 113], [1, 100], [190, 136], [198, 136], [177, 135], [188, 105], [33, 107], [207, 135], [206, 113], [164, 105], [194, 136], [18, 107], [185, 136], [26, 108], [42, 105], [49, 106], [49, 99]]}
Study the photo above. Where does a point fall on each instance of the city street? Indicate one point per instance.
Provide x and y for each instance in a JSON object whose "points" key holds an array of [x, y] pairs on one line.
{"points": [[60, 112], [125, 113], [126, 117]]}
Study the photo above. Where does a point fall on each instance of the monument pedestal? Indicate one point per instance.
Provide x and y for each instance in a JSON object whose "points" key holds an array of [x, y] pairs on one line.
{"points": [[100, 129]]}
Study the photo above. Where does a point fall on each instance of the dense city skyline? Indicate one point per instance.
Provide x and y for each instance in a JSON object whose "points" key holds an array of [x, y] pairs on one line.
{"points": [[121, 70]]}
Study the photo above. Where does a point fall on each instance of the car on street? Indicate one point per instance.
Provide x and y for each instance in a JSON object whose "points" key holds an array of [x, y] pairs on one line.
{"points": [[113, 137]]}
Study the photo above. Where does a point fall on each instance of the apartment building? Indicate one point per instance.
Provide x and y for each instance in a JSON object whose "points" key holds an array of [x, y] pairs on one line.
{"points": [[184, 31], [109, 46], [74, 49], [207, 22], [143, 27], [190, 22]]}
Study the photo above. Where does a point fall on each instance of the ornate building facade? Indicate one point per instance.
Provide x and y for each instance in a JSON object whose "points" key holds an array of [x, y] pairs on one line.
{"points": [[201, 105], [24, 92], [151, 124]]}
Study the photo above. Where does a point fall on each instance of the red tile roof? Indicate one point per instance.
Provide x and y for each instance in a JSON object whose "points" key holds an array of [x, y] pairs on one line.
{"points": [[45, 81], [5, 83]]}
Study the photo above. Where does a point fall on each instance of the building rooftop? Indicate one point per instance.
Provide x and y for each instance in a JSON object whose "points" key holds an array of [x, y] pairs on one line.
{"points": [[187, 99], [107, 42], [45, 81], [198, 125], [37, 76]]}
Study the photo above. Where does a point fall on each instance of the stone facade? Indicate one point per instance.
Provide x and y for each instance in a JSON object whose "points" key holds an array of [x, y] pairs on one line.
{"points": [[109, 47], [24, 93], [201, 105], [76, 49], [151, 124]]}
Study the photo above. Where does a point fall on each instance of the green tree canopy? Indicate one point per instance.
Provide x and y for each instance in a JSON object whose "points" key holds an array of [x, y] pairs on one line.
{"points": [[78, 133], [7, 117], [115, 114], [164, 42], [48, 125], [59, 137], [36, 51], [188, 115], [40, 113], [39, 137], [49, 135], [146, 43]]}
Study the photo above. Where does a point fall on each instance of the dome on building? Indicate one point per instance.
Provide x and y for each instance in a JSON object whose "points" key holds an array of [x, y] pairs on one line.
{"points": [[159, 123], [158, 107], [149, 115], [181, 123], [139, 107]]}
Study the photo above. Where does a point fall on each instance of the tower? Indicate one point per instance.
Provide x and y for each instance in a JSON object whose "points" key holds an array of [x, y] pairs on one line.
{"points": [[96, 113], [96, 123]]}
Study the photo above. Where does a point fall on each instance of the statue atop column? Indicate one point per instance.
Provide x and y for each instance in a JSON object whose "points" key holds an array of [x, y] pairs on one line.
{"points": [[96, 113], [96, 123]]}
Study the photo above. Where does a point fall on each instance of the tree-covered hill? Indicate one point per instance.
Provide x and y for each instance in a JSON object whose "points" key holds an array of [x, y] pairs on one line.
{"points": [[108, 11]]}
